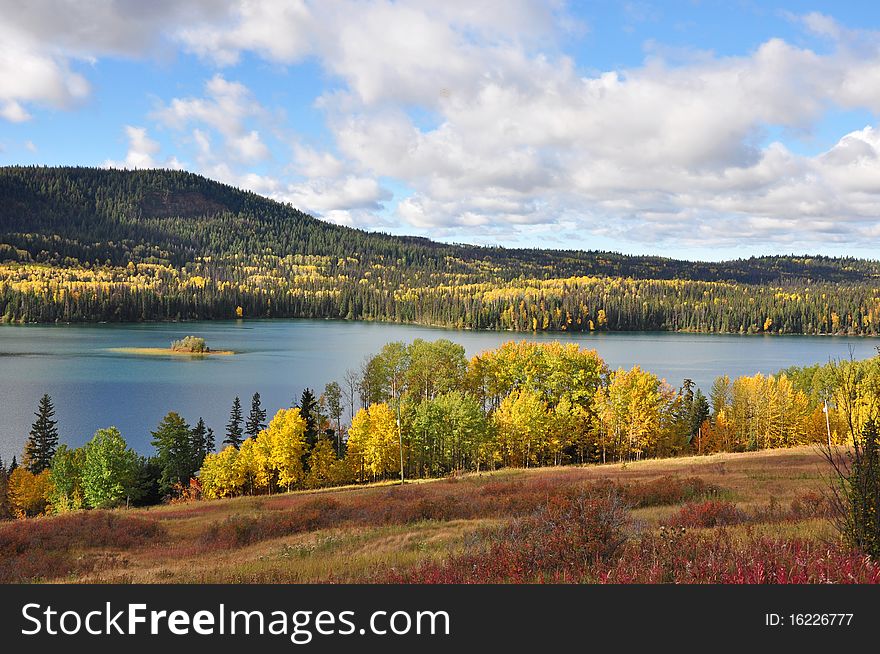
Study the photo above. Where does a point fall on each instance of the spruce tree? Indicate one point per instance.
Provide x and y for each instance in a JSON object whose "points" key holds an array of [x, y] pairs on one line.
{"points": [[308, 409], [13, 465], [256, 421], [174, 452], [233, 427], [202, 442], [43, 439]]}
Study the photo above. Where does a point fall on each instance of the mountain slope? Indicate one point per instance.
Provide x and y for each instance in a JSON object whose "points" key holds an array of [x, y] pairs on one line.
{"points": [[96, 244]]}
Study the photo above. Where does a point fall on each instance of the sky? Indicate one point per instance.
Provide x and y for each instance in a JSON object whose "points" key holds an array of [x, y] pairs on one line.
{"points": [[693, 129]]}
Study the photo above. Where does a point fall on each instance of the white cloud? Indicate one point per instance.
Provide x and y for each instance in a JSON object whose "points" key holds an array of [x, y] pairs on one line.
{"points": [[142, 151], [477, 110], [40, 42], [227, 108], [14, 112]]}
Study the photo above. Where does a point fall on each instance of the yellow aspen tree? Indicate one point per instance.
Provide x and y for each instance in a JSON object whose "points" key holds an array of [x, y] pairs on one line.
{"points": [[221, 476], [521, 424], [372, 441], [284, 444], [320, 463]]}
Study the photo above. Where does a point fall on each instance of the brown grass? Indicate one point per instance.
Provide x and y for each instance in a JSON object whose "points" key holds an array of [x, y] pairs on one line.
{"points": [[347, 534]]}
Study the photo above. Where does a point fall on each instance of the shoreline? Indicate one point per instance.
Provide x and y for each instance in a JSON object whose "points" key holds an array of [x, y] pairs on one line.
{"points": [[563, 332]]}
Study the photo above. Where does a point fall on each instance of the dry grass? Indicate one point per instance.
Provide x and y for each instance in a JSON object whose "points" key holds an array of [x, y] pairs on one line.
{"points": [[345, 535]]}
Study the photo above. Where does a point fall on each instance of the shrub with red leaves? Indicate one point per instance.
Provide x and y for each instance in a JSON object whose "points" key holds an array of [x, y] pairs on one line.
{"points": [[717, 558], [711, 513], [562, 541], [46, 548]]}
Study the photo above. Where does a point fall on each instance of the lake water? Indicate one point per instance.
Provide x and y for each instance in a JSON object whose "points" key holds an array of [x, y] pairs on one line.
{"points": [[93, 387]]}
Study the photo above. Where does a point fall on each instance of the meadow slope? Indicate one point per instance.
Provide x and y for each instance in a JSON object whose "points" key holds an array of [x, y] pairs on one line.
{"points": [[394, 533]]}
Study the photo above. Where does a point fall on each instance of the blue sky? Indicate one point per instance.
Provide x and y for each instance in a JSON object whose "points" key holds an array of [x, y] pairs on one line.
{"points": [[699, 129]]}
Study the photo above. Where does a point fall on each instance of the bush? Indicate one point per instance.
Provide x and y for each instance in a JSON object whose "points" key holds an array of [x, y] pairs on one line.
{"points": [[667, 490], [674, 556], [194, 344], [856, 495], [46, 548], [562, 541], [711, 513]]}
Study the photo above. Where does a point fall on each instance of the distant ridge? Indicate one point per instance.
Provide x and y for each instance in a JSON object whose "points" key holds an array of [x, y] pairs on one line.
{"points": [[175, 245]]}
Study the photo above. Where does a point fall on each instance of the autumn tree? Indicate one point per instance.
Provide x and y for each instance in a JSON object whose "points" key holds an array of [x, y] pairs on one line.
{"points": [[373, 441], [281, 448], [220, 475], [321, 462], [630, 412], [521, 424], [65, 474], [43, 438], [28, 493]]}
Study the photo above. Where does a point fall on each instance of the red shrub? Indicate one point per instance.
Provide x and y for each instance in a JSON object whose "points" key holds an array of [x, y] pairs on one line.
{"points": [[667, 490], [711, 513], [560, 542], [448, 500], [717, 558], [45, 548], [811, 504]]}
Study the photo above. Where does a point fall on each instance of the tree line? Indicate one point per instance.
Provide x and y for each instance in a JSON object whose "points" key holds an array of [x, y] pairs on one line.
{"points": [[424, 410], [82, 244]]}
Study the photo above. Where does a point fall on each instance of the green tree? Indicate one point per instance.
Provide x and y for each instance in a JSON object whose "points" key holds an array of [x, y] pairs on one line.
{"points": [[855, 498], [333, 399], [256, 420], [308, 410], [43, 439], [5, 511], [66, 492], [149, 472], [109, 470], [202, 442], [233, 427], [174, 452]]}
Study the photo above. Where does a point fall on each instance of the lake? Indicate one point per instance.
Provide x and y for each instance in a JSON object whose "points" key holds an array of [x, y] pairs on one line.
{"points": [[93, 387]]}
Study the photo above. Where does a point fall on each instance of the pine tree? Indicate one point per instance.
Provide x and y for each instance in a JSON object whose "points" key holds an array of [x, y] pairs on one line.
{"points": [[233, 427], [256, 421], [308, 409], [43, 439], [202, 442], [13, 465], [174, 452]]}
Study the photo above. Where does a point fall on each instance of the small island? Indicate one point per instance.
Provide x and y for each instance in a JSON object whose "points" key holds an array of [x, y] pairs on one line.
{"points": [[193, 346]]}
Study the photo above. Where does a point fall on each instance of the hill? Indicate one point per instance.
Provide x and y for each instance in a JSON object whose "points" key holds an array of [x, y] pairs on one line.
{"points": [[81, 244]]}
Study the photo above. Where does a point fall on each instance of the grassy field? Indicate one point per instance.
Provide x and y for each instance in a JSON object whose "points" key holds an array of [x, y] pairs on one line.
{"points": [[502, 526]]}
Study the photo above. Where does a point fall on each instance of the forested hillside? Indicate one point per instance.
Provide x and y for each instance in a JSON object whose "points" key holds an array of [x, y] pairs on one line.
{"points": [[84, 244]]}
